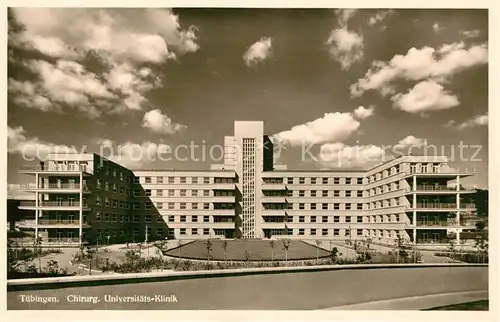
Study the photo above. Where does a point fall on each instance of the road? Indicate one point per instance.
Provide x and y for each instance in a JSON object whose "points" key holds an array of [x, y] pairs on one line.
{"points": [[287, 291]]}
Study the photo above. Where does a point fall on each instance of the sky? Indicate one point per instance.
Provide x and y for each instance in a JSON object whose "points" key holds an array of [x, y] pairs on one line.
{"points": [[336, 89]]}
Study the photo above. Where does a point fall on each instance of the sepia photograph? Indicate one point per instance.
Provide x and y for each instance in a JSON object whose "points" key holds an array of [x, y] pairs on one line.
{"points": [[203, 158]]}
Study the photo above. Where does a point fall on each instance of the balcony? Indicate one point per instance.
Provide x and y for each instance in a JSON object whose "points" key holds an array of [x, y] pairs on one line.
{"points": [[273, 186], [273, 199], [64, 187], [273, 212], [56, 223], [443, 206], [56, 170], [444, 171], [51, 205], [437, 224], [437, 189]]}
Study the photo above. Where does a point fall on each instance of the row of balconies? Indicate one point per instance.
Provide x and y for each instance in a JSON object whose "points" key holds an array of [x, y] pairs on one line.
{"points": [[52, 205], [56, 223]]}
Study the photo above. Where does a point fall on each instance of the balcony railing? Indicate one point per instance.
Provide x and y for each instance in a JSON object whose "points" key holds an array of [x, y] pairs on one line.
{"points": [[32, 223], [443, 170], [56, 169], [32, 203], [437, 223], [444, 205], [58, 186]]}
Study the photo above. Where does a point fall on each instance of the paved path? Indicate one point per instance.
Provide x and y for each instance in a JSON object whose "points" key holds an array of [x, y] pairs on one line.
{"points": [[285, 291]]}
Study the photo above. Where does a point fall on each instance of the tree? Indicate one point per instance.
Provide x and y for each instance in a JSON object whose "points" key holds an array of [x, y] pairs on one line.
{"points": [[37, 251], [334, 253], [318, 244], [179, 247], [480, 225], [452, 250], [89, 254], [208, 246], [272, 244], [286, 246], [481, 246], [224, 246]]}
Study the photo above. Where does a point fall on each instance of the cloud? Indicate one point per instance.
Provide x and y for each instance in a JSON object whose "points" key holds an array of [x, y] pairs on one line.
{"points": [[345, 46], [258, 52], [331, 127], [344, 15], [423, 97], [478, 120], [134, 155], [411, 141], [126, 43], [379, 17], [362, 112], [471, 33], [339, 155], [33, 147], [419, 64], [160, 123]]}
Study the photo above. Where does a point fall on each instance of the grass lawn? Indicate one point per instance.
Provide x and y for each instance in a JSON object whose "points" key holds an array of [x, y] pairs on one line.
{"points": [[470, 306], [256, 249]]}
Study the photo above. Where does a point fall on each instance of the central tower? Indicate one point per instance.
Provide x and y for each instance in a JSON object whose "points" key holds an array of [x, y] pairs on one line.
{"points": [[248, 151]]}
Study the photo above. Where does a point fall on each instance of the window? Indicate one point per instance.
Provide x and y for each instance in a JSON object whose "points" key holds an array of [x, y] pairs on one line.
{"points": [[159, 231], [137, 206], [171, 205], [206, 218], [148, 205], [347, 232], [325, 193], [325, 180], [336, 219], [171, 193], [159, 205], [171, 218], [359, 219], [147, 179], [302, 180], [324, 232], [206, 193], [313, 193], [98, 216], [313, 232], [99, 184], [324, 206], [148, 192], [313, 206], [348, 193], [98, 201], [194, 193], [206, 180], [159, 219], [206, 231], [183, 218], [301, 231], [147, 219], [324, 219], [359, 206], [106, 186], [183, 205], [194, 231], [348, 206], [359, 232], [183, 179], [313, 219], [360, 193], [347, 180], [136, 218], [183, 193], [183, 231], [360, 180], [336, 181], [171, 180], [302, 193], [137, 192], [194, 206], [347, 219], [336, 232], [336, 193], [206, 206], [336, 206], [137, 180], [289, 219], [194, 218], [159, 193], [302, 219], [301, 206], [313, 180], [159, 180], [290, 180]]}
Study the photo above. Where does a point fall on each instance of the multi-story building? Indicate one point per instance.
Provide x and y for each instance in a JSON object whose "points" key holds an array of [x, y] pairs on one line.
{"points": [[417, 198]]}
